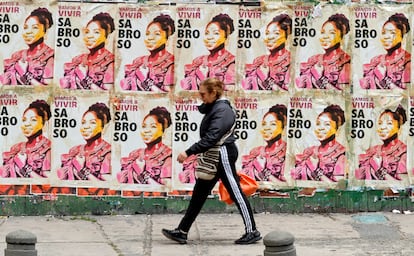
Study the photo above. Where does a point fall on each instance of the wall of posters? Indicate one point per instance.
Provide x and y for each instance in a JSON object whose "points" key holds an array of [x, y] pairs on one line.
{"points": [[99, 98]]}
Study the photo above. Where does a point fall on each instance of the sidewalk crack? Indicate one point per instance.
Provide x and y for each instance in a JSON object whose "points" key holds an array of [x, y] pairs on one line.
{"points": [[108, 239], [147, 247]]}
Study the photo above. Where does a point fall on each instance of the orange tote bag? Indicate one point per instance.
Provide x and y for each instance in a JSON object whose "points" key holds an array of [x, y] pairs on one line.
{"points": [[247, 184]]}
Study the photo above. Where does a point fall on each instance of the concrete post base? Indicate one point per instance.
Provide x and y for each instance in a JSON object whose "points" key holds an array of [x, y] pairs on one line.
{"points": [[20, 243], [279, 243]]}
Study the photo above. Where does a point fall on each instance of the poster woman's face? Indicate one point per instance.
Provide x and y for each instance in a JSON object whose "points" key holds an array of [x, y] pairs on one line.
{"points": [[274, 36], [31, 123], [33, 30], [390, 35], [155, 37], [387, 126], [325, 127], [271, 127], [91, 125], [330, 35], [214, 36], [93, 35], [151, 129]]}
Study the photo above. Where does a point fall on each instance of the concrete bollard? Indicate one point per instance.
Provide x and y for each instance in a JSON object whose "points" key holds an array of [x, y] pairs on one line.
{"points": [[20, 243], [279, 243]]}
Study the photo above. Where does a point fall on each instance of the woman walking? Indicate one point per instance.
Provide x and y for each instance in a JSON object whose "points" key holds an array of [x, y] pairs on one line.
{"points": [[218, 121]]}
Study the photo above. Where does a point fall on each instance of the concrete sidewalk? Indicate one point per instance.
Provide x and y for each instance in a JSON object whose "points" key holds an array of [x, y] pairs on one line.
{"points": [[213, 234]]}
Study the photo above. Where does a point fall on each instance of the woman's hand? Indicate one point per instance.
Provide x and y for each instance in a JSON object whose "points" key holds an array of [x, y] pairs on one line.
{"points": [[144, 71], [265, 71], [22, 157], [81, 160], [377, 159], [182, 157], [262, 161], [319, 69], [23, 65], [382, 69], [83, 69], [314, 160], [204, 71], [140, 163]]}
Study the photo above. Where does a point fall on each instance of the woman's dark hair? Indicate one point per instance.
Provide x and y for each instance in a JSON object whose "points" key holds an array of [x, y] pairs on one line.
{"points": [[336, 113], [102, 112], [212, 84], [225, 23], [285, 23], [399, 115], [42, 109], [400, 21], [340, 21], [43, 16], [280, 111], [162, 115], [105, 21], [166, 22]]}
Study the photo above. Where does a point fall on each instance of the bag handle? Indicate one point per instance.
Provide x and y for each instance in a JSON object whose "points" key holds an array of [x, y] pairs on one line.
{"points": [[228, 133]]}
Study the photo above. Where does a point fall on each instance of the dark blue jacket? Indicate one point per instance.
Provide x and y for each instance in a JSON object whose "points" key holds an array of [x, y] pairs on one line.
{"points": [[218, 119]]}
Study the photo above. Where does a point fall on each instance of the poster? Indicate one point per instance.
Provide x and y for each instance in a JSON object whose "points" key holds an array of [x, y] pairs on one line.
{"points": [[27, 37], [82, 127], [379, 141], [321, 40], [381, 49], [145, 48], [317, 143], [25, 137], [264, 54], [261, 132], [206, 44], [142, 143], [84, 46]]}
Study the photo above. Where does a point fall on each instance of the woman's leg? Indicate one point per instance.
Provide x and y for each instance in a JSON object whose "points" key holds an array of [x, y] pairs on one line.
{"points": [[230, 179], [202, 189]]}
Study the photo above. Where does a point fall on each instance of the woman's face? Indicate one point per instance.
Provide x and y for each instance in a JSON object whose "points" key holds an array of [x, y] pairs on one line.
{"points": [[93, 35], [271, 127], [31, 123], [205, 96], [33, 30], [330, 35], [387, 126], [390, 35], [274, 36], [155, 37], [91, 125], [151, 129], [325, 127], [214, 36]]}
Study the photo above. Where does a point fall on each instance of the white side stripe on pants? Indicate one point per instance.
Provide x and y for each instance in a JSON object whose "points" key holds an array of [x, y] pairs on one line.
{"points": [[227, 169]]}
